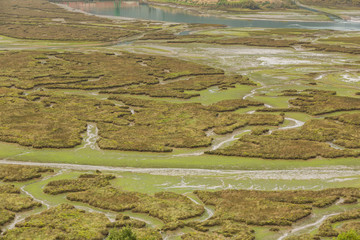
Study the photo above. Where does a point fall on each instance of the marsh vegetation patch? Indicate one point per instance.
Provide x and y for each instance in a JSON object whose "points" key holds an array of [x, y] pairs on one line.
{"points": [[12, 202], [12, 173], [331, 137], [83, 183], [54, 119], [279, 208], [61, 222]]}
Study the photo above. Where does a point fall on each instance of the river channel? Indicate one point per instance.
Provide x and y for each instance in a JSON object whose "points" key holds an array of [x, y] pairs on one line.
{"points": [[141, 10]]}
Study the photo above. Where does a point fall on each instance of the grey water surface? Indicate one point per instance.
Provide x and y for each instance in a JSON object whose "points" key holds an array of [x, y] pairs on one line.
{"points": [[140, 10]]}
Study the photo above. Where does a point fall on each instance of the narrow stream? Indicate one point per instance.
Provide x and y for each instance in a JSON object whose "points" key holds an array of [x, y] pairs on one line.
{"points": [[314, 224], [297, 124], [208, 211], [22, 215], [231, 137], [92, 135], [253, 92], [320, 218]]}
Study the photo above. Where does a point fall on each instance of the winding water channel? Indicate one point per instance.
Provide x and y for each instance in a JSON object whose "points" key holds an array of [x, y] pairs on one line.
{"points": [[141, 10]]}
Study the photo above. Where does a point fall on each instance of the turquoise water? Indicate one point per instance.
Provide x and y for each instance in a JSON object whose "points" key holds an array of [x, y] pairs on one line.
{"points": [[135, 9]]}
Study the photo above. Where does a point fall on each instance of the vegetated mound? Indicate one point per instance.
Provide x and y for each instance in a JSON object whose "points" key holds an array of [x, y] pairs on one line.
{"points": [[12, 202], [12, 173], [88, 71], [232, 105], [94, 190], [42, 118], [61, 222], [183, 86], [320, 104], [328, 138], [269, 147], [349, 220], [169, 207], [125, 221], [52, 120], [235, 210], [280, 208], [226, 229], [83, 183], [331, 137], [160, 126], [334, 226], [134, 234], [325, 130], [316, 102], [350, 118]]}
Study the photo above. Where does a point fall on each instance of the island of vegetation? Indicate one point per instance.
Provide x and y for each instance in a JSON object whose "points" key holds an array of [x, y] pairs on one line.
{"points": [[119, 128]]}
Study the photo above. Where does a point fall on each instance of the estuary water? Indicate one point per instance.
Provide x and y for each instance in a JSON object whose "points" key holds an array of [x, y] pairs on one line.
{"points": [[140, 10]]}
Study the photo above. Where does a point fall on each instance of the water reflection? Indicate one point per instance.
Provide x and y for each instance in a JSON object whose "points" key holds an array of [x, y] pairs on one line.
{"points": [[141, 10], [107, 5]]}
